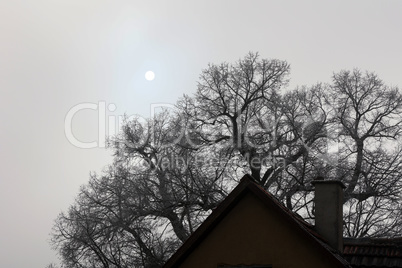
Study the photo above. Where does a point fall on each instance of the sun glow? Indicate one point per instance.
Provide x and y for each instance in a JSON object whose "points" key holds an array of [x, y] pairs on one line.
{"points": [[150, 75]]}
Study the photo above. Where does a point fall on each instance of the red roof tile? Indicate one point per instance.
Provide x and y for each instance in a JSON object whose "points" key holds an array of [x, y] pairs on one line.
{"points": [[373, 252]]}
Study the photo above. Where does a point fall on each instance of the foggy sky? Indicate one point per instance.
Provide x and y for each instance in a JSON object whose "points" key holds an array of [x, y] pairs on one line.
{"points": [[55, 55]]}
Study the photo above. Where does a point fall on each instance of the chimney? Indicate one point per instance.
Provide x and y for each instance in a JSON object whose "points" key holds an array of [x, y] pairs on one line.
{"points": [[328, 201]]}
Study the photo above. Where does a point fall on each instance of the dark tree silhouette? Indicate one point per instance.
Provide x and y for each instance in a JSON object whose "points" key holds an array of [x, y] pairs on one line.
{"points": [[169, 172], [369, 116]]}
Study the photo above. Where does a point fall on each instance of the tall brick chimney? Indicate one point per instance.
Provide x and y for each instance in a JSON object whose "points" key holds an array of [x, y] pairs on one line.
{"points": [[328, 201]]}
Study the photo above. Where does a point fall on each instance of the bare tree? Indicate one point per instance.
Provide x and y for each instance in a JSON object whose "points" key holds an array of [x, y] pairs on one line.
{"points": [[369, 117], [51, 265], [148, 201], [169, 172], [236, 108]]}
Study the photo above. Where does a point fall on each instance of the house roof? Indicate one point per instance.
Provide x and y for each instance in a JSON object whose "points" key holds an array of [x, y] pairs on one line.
{"points": [[373, 252], [249, 185]]}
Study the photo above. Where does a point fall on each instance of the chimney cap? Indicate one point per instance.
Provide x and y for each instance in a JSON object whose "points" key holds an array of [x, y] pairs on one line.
{"points": [[320, 180]]}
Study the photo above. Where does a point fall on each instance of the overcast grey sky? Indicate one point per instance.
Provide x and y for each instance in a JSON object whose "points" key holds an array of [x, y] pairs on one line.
{"points": [[55, 55]]}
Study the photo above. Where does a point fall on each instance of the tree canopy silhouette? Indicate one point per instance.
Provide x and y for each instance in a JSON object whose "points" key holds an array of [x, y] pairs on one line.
{"points": [[169, 172]]}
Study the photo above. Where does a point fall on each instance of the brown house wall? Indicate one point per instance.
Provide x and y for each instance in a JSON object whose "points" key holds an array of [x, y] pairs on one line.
{"points": [[253, 234]]}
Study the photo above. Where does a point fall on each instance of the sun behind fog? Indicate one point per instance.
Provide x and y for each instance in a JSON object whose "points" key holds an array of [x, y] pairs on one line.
{"points": [[150, 75]]}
